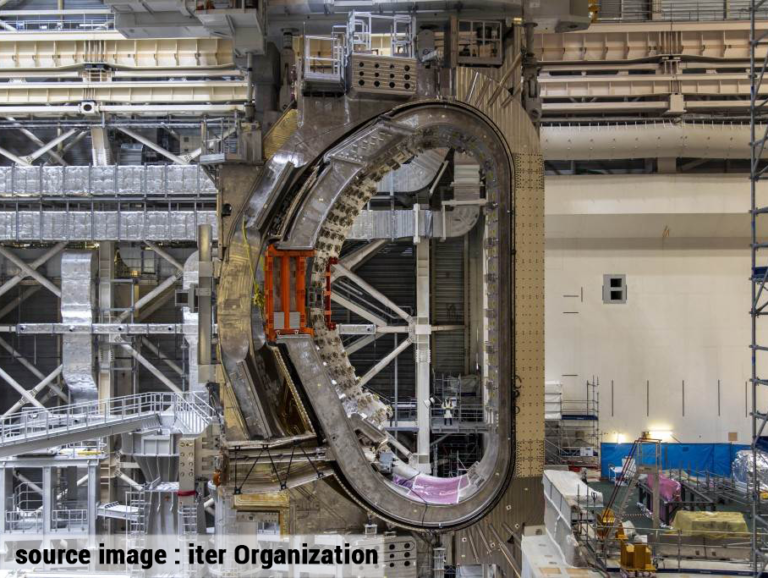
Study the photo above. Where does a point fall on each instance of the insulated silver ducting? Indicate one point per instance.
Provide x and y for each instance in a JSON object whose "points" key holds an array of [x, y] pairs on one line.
{"points": [[415, 175], [189, 282], [107, 181], [77, 303], [639, 141], [89, 225], [401, 224]]}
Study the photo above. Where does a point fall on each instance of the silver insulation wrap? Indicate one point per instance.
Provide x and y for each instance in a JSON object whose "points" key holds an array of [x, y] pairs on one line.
{"points": [[77, 308]]}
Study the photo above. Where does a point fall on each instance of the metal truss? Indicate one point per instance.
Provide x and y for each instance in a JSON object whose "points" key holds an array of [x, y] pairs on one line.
{"points": [[280, 462], [759, 276]]}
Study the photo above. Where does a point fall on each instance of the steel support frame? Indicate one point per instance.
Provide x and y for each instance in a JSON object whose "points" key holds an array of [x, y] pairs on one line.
{"points": [[30, 269], [758, 111]]}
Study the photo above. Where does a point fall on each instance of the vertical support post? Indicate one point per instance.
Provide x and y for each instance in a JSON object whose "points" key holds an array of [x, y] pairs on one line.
{"points": [[106, 304], [423, 332], [71, 473], [6, 488], [205, 307], [93, 497], [48, 499]]}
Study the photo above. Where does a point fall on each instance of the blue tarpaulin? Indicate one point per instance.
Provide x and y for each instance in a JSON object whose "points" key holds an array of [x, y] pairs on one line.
{"points": [[713, 458]]}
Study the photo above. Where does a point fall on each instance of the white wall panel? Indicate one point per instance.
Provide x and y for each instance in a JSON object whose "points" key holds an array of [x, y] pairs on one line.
{"points": [[686, 318]]}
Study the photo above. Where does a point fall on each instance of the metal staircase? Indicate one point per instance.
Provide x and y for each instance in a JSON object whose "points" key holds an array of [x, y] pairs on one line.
{"points": [[36, 429]]}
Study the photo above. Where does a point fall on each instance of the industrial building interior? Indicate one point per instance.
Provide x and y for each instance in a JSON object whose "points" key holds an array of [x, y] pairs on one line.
{"points": [[480, 282]]}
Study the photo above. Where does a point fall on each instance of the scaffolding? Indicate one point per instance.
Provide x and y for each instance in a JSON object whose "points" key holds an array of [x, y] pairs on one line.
{"points": [[572, 438], [759, 271]]}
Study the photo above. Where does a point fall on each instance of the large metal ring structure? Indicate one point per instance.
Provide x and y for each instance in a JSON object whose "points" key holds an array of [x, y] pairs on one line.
{"points": [[315, 213]]}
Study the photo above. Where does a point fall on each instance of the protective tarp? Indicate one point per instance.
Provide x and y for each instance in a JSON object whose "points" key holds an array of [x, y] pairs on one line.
{"points": [[742, 467], [565, 495], [568, 485], [669, 489], [433, 490], [714, 525], [696, 458]]}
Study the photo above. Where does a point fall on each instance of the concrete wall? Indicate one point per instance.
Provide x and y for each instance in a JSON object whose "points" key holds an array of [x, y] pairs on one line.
{"points": [[686, 318]]}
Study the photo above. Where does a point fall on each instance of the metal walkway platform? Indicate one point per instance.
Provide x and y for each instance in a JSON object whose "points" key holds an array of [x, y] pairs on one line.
{"points": [[37, 429], [118, 511]]}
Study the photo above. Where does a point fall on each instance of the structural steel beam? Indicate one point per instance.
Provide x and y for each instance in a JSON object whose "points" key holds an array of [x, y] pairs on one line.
{"points": [[31, 368], [30, 158], [355, 308], [161, 288], [165, 255], [46, 382], [157, 351], [154, 146], [16, 301], [360, 343], [35, 139], [372, 291], [382, 363], [29, 270], [16, 159], [24, 393], [151, 368], [95, 328], [358, 257]]}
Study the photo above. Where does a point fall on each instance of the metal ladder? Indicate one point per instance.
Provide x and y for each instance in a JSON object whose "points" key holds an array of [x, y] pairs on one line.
{"points": [[137, 524], [187, 521]]}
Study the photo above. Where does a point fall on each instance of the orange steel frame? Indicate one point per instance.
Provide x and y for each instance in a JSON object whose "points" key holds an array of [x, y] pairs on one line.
{"points": [[285, 291]]}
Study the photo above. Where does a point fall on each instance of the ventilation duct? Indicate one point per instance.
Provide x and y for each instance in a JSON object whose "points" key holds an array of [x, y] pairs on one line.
{"points": [[416, 175], [189, 283], [77, 307]]}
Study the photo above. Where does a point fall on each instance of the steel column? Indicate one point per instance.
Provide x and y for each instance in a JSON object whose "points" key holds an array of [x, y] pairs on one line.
{"points": [[204, 307], [422, 339]]}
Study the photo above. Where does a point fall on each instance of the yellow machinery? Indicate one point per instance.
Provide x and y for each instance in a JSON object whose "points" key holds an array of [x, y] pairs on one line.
{"points": [[636, 559]]}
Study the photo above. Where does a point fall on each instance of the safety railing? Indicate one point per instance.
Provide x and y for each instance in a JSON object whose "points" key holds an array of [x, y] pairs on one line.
{"points": [[323, 58], [70, 23], [461, 413], [24, 521], [191, 410], [69, 520], [403, 411], [675, 10]]}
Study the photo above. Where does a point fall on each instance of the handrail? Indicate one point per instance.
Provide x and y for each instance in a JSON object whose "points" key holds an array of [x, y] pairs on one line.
{"points": [[191, 409]]}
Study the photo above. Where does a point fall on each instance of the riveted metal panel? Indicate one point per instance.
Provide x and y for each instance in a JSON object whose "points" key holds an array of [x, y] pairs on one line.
{"points": [[493, 539]]}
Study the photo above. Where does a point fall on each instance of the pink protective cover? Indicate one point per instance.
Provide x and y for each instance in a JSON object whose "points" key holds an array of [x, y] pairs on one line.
{"points": [[669, 489], [433, 490]]}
